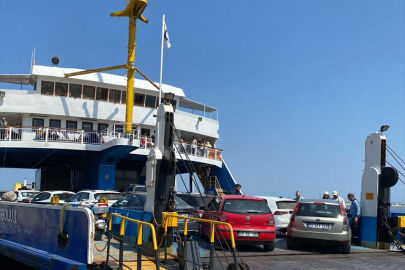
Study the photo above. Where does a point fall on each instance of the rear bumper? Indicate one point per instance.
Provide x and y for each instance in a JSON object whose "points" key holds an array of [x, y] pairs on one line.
{"points": [[317, 241], [265, 237], [192, 226]]}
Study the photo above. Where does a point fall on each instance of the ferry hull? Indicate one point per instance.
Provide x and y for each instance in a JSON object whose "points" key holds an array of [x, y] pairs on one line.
{"points": [[30, 234]]}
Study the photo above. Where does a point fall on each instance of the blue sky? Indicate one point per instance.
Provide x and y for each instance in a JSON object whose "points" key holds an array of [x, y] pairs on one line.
{"points": [[298, 84]]}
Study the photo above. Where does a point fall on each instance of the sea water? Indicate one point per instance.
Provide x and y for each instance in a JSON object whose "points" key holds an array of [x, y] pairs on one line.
{"points": [[397, 210]]}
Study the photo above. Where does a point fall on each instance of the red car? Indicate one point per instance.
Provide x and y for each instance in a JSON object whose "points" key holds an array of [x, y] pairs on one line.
{"points": [[250, 217]]}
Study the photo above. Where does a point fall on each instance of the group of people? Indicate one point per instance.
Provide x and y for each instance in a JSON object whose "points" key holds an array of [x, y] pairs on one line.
{"points": [[353, 212], [198, 147]]}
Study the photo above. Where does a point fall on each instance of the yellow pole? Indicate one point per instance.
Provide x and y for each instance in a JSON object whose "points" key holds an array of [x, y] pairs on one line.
{"points": [[133, 11], [130, 74]]}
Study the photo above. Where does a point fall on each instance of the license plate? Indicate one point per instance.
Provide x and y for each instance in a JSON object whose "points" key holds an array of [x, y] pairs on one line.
{"points": [[248, 234], [321, 226]]}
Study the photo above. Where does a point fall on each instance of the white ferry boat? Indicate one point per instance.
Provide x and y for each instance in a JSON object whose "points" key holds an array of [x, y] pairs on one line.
{"points": [[72, 130]]}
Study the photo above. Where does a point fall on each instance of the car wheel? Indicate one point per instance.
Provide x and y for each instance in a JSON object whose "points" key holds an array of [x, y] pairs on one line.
{"points": [[346, 248], [269, 247], [290, 244]]}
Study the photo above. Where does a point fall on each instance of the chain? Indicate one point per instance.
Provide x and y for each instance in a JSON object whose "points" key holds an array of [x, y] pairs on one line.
{"points": [[93, 234], [61, 214], [398, 244]]}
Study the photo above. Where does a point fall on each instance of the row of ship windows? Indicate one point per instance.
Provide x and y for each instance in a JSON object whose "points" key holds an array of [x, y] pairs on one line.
{"points": [[98, 93], [86, 126]]}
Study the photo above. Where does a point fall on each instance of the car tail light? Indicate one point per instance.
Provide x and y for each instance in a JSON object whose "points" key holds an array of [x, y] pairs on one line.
{"points": [[102, 204], [223, 217], [319, 203], [342, 212], [270, 220], [281, 213]]}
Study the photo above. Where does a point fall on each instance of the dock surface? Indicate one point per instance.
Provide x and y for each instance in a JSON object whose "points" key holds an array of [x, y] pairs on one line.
{"points": [[305, 257]]}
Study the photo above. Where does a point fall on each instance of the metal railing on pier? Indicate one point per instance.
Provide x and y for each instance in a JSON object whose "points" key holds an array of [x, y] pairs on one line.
{"points": [[138, 243]]}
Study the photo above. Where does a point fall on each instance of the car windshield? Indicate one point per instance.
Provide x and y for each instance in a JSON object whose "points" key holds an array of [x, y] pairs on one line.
{"points": [[179, 201], [318, 210], [246, 207], [108, 196], [29, 194], [286, 204], [123, 202]]}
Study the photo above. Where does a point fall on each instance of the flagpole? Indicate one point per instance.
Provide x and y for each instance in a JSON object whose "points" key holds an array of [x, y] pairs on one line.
{"points": [[160, 79], [161, 59]]}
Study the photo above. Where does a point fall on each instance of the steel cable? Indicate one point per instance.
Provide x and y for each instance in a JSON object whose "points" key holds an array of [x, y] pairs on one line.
{"points": [[191, 170]]}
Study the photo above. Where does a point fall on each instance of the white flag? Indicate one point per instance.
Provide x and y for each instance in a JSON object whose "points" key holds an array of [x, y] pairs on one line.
{"points": [[166, 36]]}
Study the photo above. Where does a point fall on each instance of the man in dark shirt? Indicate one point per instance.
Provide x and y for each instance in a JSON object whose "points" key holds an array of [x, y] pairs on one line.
{"points": [[236, 191]]}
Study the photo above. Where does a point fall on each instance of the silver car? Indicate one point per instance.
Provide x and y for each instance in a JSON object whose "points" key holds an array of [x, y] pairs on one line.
{"points": [[321, 222]]}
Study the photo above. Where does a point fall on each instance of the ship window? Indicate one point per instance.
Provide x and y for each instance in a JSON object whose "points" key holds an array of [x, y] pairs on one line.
{"points": [[173, 102], [87, 126], [71, 124], [54, 123], [139, 99], [119, 129], [75, 90], [145, 132], [115, 95], [102, 127], [102, 93], [37, 122], [88, 92], [61, 89], [47, 88], [124, 97], [150, 101]]}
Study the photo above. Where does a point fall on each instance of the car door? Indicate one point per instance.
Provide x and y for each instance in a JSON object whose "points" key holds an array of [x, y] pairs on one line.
{"points": [[136, 203]]}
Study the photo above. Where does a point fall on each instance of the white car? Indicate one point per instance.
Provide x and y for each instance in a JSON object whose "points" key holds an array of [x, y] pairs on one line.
{"points": [[45, 197], [282, 209], [90, 197], [25, 195]]}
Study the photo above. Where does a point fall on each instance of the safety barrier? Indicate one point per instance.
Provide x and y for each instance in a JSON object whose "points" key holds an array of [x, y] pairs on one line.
{"points": [[170, 219], [138, 241]]}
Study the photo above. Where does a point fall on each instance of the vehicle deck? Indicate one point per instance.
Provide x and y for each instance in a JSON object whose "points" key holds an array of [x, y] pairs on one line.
{"points": [[306, 257]]}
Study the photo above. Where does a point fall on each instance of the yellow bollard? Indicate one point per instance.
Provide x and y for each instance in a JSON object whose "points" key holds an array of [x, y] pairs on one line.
{"points": [[171, 221], [55, 200]]}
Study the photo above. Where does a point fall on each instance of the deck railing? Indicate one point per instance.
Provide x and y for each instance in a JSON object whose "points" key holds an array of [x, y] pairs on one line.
{"points": [[78, 136]]}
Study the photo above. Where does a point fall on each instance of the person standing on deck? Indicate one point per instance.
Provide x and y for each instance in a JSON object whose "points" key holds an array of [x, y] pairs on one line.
{"points": [[194, 146], [298, 196], [326, 196], [236, 191], [339, 199], [354, 215]]}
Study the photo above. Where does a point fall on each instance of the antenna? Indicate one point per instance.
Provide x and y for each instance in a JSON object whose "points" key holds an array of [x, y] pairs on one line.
{"points": [[32, 59]]}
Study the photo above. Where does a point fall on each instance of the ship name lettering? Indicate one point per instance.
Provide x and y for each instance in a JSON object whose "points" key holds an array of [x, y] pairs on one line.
{"points": [[9, 215]]}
